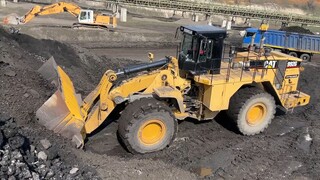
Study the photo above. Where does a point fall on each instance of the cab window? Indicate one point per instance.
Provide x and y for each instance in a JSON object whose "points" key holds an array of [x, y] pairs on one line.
{"points": [[250, 34], [190, 46], [83, 15]]}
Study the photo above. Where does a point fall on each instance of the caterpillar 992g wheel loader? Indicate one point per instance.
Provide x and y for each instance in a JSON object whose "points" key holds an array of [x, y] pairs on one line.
{"points": [[199, 84]]}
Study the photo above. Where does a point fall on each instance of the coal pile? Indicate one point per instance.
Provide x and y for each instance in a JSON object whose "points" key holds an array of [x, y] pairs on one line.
{"points": [[296, 29], [21, 159]]}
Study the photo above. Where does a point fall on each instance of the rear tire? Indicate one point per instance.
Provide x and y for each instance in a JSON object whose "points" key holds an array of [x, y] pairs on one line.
{"points": [[252, 109], [147, 125], [305, 57], [294, 54]]}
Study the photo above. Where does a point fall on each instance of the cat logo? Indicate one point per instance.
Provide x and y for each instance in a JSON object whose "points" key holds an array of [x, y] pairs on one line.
{"points": [[270, 64]]}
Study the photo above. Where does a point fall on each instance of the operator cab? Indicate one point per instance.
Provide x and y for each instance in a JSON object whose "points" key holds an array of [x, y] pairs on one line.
{"points": [[201, 48], [86, 16]]}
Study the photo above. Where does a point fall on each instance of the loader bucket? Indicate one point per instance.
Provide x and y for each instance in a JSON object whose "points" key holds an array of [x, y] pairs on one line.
{"points": [[61, 112]]}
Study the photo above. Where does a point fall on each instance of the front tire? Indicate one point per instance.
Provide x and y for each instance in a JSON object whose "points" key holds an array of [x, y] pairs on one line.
{"points": [[147, 125], [252, 109]]}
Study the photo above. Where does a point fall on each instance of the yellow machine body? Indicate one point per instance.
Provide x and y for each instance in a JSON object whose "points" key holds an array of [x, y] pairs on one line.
{"points": [[199, 84], [76, 118]]}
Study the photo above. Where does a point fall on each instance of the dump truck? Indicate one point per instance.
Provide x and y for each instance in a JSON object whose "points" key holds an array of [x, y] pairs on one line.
{"points": [[199, 84], [299, 45], [86, 17]]}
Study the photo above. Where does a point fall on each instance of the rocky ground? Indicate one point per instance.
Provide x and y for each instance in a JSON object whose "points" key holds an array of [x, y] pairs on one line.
{"points": [[289, 149]]}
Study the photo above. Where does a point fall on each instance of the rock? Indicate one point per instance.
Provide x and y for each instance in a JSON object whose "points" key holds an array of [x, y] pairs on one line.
{"points": [[6, 158], [10, 73], [26, 173], [11, 178], [52, 153], [35, 176], [32, 148], [20, 164], [26, 95], [13, 161], [50, 174], [4, 168], [304, 142], [204, 171], [74, 170], [42, 155], [9, 132], [3, 163], [45, 143], [11, 170], [69, 177], [43, 170], [16, 155], [16, 142], [34, 93]]}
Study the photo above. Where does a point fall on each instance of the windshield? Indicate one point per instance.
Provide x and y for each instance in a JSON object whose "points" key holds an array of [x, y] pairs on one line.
{"points": [[189, 46], [83, 15], [250, 34]]}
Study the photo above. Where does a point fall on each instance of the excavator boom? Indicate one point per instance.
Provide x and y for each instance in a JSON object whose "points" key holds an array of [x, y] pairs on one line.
{"points": [[55, 8], [60, 7]]}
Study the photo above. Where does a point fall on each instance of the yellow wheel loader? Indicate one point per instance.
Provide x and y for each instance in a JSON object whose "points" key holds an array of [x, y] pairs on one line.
{"points": [[198, 84], [86, 18]]}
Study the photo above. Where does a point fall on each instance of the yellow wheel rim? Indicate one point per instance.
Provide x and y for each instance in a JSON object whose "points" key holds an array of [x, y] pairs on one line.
{"points": [[256, 114], [152, 132]]}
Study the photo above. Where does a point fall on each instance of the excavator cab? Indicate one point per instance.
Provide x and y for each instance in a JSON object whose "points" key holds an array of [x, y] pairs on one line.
{"points": [[86, 16], [201, 48]]}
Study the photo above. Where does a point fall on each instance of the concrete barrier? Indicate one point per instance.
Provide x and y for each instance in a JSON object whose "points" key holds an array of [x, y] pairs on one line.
{"points": [[123, 15], [224, 24], [3, 3]]}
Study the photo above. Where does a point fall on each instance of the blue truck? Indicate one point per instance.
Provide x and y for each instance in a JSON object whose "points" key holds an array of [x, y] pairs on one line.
{"points": [[299, 45]]}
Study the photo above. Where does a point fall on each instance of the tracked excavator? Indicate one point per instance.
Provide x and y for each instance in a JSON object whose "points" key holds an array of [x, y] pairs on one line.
{"points": [[200, 83], [86, 18]]}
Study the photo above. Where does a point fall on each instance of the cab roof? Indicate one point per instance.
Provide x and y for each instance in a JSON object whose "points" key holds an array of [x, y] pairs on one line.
{"points": [[204, 30]]}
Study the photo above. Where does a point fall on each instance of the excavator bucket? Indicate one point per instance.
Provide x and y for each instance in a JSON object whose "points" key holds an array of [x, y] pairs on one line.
{"points": [[12, 19], [61, 112]]}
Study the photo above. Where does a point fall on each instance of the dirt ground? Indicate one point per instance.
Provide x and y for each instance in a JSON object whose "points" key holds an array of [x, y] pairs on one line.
{"points": [[288, 149]]}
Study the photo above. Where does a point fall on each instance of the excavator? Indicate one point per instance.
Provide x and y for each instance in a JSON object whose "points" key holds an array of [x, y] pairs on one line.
{"points": [[200, 83], [86, 18]]}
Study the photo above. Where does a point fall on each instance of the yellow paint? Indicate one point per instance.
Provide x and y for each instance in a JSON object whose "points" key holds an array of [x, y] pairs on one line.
{"points": [[151, 132], [171, 92], [69, 94], [256, 114], [213, 95], [73, 9], [264, 27]]}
